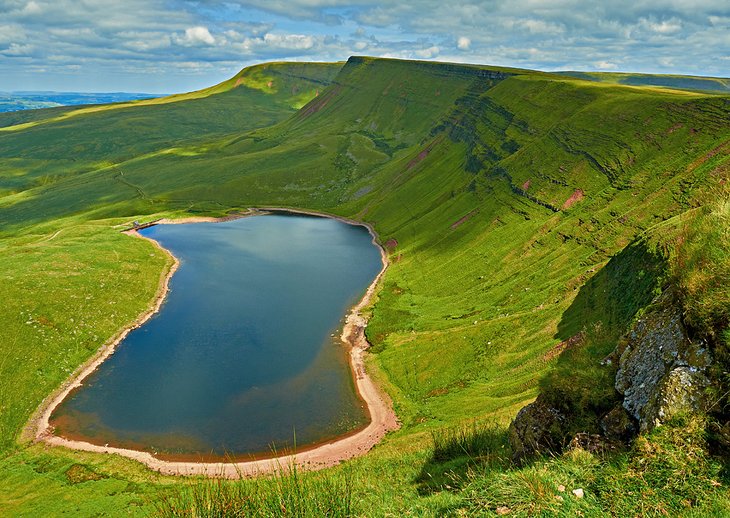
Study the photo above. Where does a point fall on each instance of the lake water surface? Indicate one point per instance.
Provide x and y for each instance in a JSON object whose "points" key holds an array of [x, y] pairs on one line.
{"points": [[241, 356]]}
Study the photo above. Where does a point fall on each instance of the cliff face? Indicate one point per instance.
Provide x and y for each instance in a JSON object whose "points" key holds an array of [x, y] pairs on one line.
{"points": [[662, 373]]}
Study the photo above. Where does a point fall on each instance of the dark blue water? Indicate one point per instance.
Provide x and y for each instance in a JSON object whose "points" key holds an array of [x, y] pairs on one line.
{"points": [[241, 356]]}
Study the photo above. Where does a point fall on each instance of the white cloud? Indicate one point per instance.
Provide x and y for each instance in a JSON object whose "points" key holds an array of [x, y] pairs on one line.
{"points": [[11, 33], [151, 38], [663, 27], [191, 66], [275, 45], [539, 26], [429, 53], [32, 8], [719, 20], [378, 17], [196, 36], [289, 41], [17, 50], [144, 41]]}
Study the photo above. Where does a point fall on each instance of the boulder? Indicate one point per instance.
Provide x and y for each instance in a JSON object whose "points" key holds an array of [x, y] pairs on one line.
{"points": [[654, 349], [538, 428], [681, 391]]}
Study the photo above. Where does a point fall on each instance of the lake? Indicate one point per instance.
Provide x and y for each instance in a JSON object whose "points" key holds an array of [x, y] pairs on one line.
{"points": [[244, 357]]}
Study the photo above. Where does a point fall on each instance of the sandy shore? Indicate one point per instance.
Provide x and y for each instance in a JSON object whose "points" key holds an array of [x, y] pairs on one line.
{"points": [[382, 417]]}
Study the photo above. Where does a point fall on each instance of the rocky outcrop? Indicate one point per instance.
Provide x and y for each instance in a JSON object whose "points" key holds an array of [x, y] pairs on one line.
{"points": [[681, 391], [538, 428], [661, 372]]}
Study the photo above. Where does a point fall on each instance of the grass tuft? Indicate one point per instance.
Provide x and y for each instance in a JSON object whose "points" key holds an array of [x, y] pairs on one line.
{"points": [[79, 473], [289, 493], [472, 440], [702, 270]]}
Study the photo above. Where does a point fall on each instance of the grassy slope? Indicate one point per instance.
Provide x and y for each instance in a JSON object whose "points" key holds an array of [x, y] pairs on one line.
{"points": [[470, 175], [709, 84], [72, 141]]}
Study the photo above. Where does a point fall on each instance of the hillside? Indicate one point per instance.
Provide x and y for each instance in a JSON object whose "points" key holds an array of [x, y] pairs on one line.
{"points": [[41, 146], [502, 196], [14, 101], [708, 84]]}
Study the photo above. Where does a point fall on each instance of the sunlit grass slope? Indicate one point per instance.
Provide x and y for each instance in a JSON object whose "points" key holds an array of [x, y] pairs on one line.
{"points": [[498, 193], [709, 84], [71, 141]]}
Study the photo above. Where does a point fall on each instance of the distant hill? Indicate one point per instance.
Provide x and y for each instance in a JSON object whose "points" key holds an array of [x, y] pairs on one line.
{"points": [[709, 84], [14, 101]]}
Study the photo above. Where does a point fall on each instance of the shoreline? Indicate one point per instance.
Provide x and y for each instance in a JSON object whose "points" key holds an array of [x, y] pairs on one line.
{"points": [[382, 418]]}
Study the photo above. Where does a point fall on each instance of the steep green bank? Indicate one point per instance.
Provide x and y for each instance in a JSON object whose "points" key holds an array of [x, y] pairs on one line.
{"points": [[501, 195]]}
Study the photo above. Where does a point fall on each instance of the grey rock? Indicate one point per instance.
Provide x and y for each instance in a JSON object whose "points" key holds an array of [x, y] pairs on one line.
{"points": [[537, 428], [680, 391], [655, 348], [593, 443]]}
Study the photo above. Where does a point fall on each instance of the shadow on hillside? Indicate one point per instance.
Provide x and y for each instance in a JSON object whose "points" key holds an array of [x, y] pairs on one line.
{"points": [[612, 297], [580, 383], [458, 450]]}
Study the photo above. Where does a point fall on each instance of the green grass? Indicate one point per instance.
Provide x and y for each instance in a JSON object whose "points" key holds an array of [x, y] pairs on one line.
{"points": [[103, 283], [702, 268], [513, 197], [667, 473], [711, 84], [290, 493]]}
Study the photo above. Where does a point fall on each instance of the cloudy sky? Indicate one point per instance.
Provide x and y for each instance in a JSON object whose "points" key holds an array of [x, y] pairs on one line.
{"points": [[166, 46]]}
